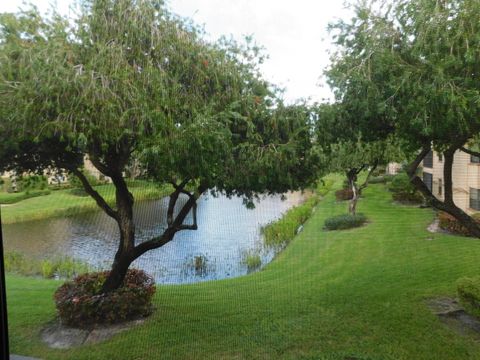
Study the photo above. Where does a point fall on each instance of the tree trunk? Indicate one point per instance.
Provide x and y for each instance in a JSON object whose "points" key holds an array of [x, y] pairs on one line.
{"points": [[125, 252], [448, 205], [352, 182], [117, 273]]}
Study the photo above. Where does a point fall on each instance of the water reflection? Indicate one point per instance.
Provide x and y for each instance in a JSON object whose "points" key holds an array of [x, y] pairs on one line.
{"points": [[227, 230]]}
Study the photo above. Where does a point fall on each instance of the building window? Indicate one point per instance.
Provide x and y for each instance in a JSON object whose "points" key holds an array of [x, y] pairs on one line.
{"points": [[428, 180], [474, 199], [428, 160], [440, 157], [474, 159], [440, 187]]}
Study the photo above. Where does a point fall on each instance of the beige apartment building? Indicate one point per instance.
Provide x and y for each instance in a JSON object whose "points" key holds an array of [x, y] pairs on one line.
{"points": [[465, 178]]}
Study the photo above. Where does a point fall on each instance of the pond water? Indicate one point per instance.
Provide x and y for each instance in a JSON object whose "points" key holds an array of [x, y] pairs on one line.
{"points": [[227, 230]]}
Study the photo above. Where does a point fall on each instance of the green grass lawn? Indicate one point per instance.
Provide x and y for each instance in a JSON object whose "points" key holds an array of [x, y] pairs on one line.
{"points": [[66, 203], [354, 294], [12, 198]]}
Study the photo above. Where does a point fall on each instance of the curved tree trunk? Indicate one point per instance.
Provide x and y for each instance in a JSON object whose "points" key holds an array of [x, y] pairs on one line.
{"points": [[352, 182], [448, 205], [127, 251]]}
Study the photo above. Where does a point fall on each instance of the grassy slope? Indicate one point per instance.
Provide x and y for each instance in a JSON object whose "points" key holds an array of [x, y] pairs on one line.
{"points": [[329, 295], [64, 203]]}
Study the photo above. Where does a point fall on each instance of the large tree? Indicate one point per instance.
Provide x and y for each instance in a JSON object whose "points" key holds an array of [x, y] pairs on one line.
{"points": [[129, 81], [421, 59]]}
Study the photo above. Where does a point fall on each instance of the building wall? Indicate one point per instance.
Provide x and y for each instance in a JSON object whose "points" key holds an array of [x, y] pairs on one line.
{"points": [[465, 175], [393, 168]]}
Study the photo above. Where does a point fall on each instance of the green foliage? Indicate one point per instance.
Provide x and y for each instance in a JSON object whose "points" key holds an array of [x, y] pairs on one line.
{"points": [[48, 269], [115, 90], [79, 302], [32, 182], [252, 260], [347, 221], [62, 267], [282, 231], [130, 81], [468, 290], [16, 262], [378, 180], [403, 190]]}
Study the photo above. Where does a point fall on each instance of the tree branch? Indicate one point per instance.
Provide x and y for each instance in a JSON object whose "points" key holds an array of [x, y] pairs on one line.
{"points": [[412, 168], [365, 184], [173, 199], [177, 225], [94, 194], [470, 152], [100, 166]]}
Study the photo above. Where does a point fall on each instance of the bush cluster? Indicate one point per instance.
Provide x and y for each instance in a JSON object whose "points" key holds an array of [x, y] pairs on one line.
{"points": [[282, 231], [347, 221], [344, 194], [378, 180], [468, 290], [252, 260], [449, 223], [32, 182], [80, 302], [403, 190]]}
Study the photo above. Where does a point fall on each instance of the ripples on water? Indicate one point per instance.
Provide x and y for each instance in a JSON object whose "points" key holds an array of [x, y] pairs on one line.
{"points": [[226, 231]]}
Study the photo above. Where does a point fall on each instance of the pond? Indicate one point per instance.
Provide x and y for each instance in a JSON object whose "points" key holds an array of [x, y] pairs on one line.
{"points": [[227, 230]]}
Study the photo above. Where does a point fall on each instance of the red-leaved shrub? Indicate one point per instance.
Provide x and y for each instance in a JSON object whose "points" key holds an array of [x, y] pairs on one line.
{"points": [[80, 302], [449, 223]]}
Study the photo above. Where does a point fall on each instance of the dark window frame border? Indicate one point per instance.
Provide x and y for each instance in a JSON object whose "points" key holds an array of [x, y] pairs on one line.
{"points": [[428, 160], [4, 350], [470, 199]]}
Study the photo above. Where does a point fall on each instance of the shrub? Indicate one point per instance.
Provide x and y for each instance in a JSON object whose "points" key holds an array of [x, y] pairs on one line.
{"points": [[280, 232], [377, 180], [449, 223], [16, 262], [80, 302], [347, 221], [252, 260], [64, 267], [468, 290], [403, 190], [344, 194], [388, 178], [32, 182], [48, 269]]}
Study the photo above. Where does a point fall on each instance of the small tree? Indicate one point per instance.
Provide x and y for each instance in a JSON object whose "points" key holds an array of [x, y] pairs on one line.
{"points": [[340, 141], [128, 81]]}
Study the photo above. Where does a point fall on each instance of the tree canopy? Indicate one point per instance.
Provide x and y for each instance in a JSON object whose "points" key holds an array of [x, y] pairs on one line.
{"points": [[128, 80]]}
